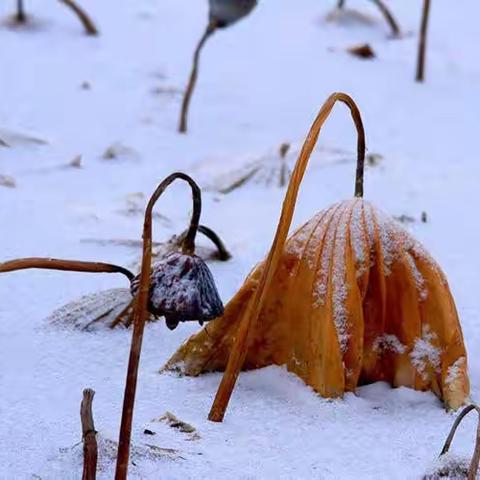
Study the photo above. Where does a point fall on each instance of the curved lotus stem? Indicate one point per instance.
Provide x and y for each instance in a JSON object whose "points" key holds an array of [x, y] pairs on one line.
{"points": [[182, 127], [64, 265], [473, 469], [140, 312], [88, 25], [385, 12], [222, 253], [253, 308], [422, 42]]}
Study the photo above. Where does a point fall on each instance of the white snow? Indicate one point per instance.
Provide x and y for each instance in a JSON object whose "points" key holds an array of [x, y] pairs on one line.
{"points": [[261, 83]]}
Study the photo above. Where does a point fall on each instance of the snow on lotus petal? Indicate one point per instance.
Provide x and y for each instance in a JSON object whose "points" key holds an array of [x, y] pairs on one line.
{"points": [[355, 299], [92, 312]]}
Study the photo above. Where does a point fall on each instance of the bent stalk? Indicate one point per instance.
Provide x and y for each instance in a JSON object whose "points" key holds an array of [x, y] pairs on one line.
{"points": [[182, 127], [88, 25], [140, 312], [63, 265], [254, 306]]}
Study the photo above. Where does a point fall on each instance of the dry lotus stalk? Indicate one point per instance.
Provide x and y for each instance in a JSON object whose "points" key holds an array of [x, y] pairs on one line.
{"points": [[222, 14], [180, 287], [388, 15], [450, 466], [350, 298], [90, 29], [422, 42]]}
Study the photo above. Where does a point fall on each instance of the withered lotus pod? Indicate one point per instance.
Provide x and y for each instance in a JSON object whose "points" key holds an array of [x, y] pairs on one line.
{"points": [[182, 275], [114, 307], [223, 13], [349, 299], [181, 289]]}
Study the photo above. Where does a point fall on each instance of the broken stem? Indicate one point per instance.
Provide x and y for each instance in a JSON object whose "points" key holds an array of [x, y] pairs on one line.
{"points": [[140, 312], [64, 265], [182, 128], [473, 469], [90, 449], [254, 306], [88, 25], [422, 42]]}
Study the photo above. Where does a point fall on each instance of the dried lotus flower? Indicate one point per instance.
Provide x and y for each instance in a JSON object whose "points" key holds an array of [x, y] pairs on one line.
{"points": [[452, 466], [383, 9], [180, 287], [350, 298], [222, 14], [21, 17]]}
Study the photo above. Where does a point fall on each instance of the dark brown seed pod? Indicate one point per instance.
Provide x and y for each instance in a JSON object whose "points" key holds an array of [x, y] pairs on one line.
{"points": [[226, 12], [182, 289]]}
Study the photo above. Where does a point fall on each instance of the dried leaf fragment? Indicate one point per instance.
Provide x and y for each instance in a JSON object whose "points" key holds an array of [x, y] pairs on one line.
{"points": [[364, 51]]}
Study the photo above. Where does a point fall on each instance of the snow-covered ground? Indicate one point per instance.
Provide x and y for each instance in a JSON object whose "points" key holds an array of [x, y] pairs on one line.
{"points": [[261, 84]]}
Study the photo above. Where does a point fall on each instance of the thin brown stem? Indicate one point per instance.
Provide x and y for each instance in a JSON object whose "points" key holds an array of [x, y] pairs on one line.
{"points": [[141, 313], [473, 469], [253, 308], [88, 25], [182, 127], [388, 17], [20, 17], [422, 42], [90, 449], [63, 265], [222, 252]]}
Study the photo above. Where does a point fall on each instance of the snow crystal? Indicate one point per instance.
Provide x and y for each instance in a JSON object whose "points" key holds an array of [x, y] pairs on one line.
{"points": [[296, 244], [454, 370], [320, 287], [388, 343], [424, 353], [357, 238], [340, 287], [419, 280]]}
